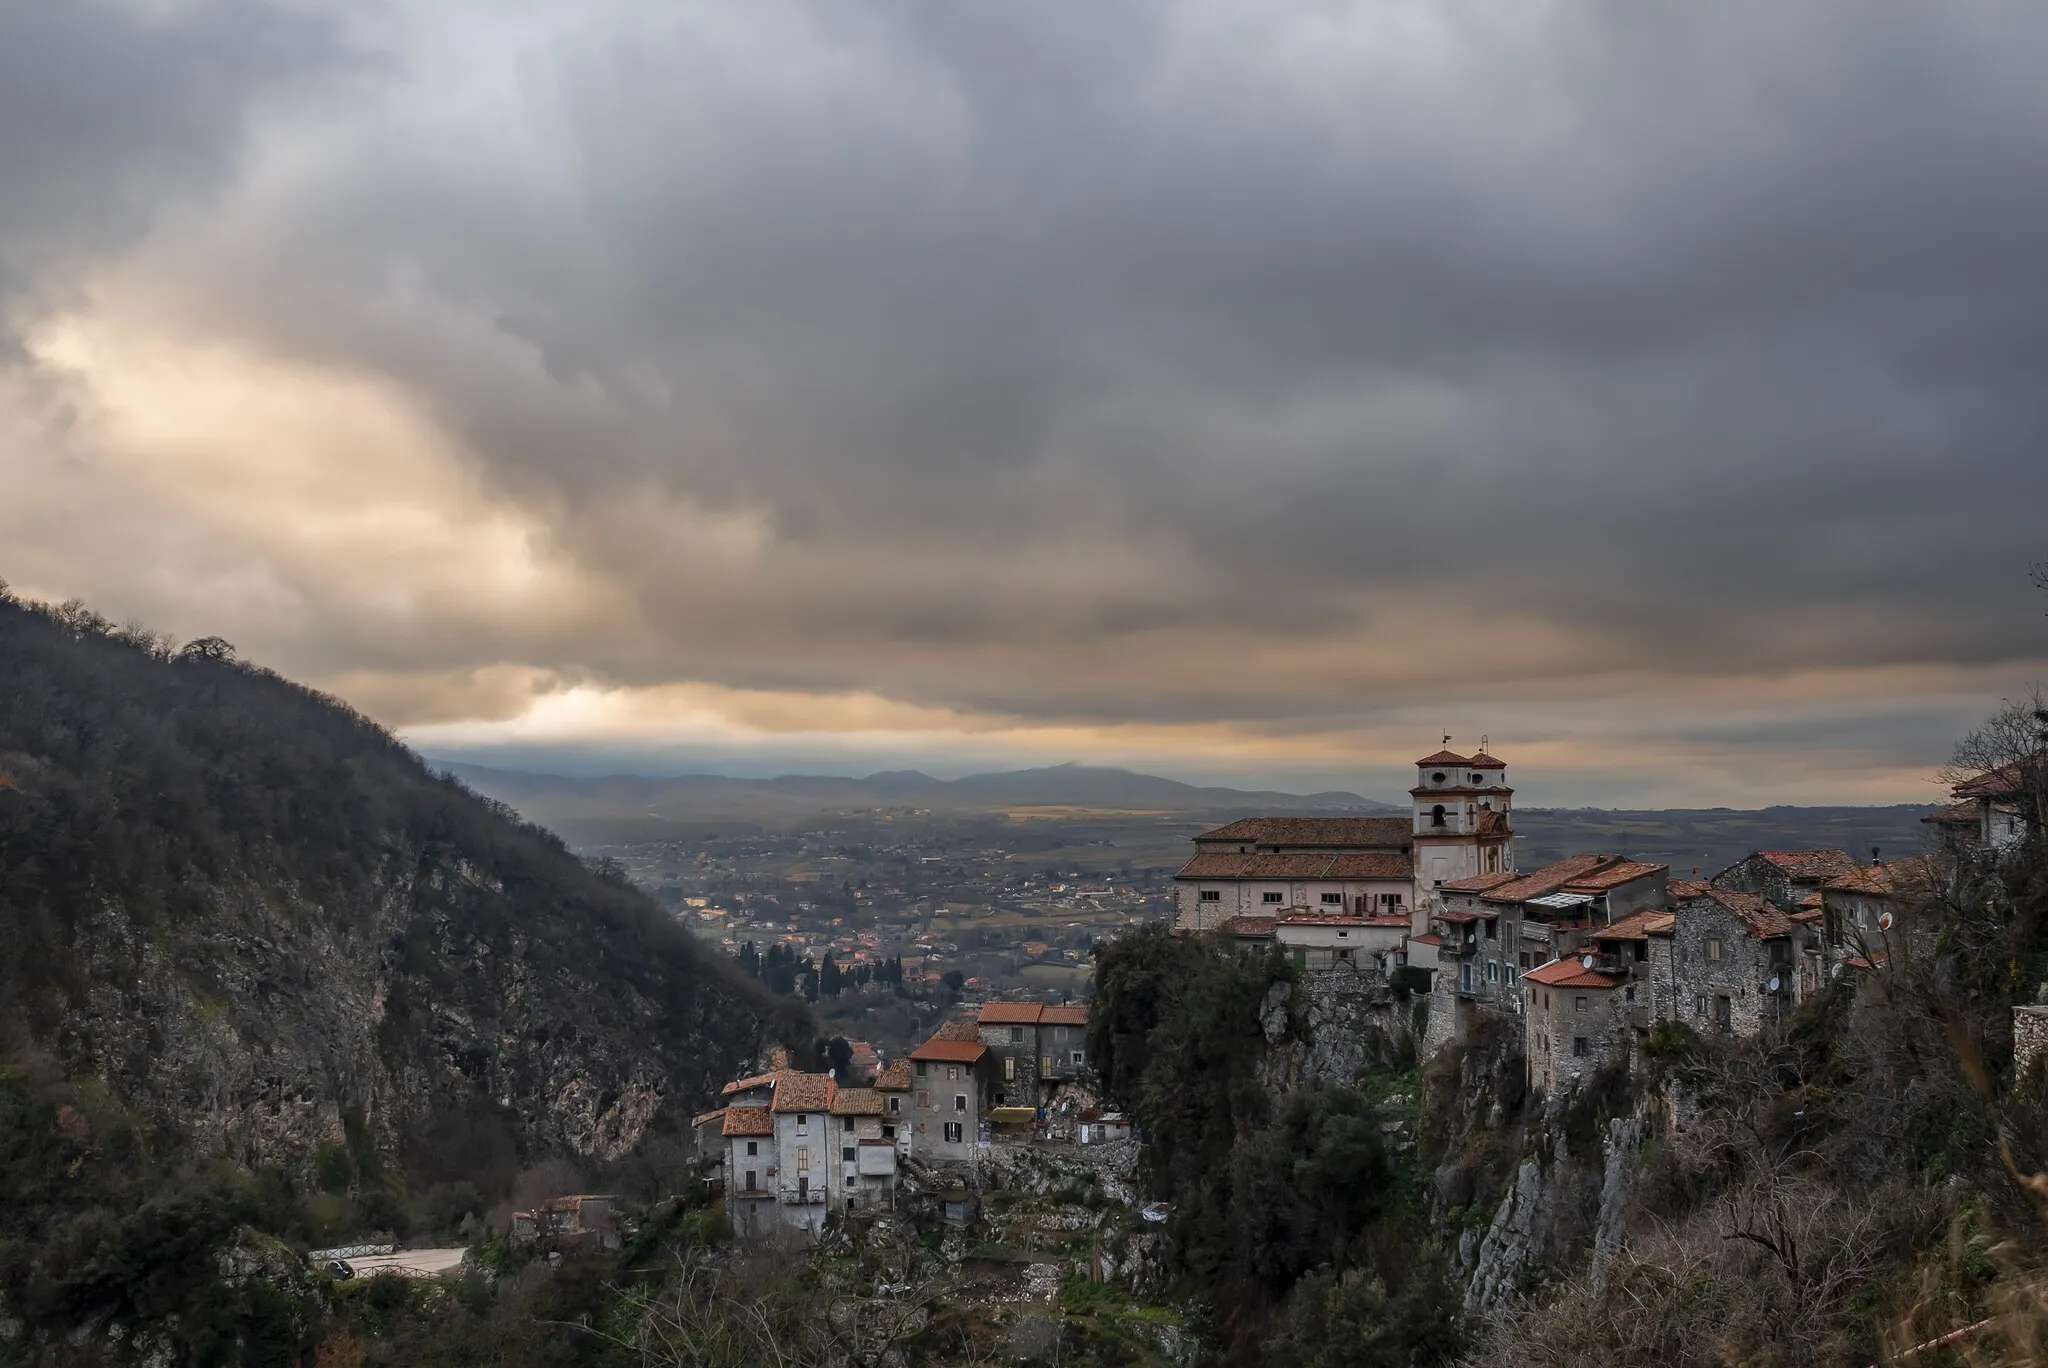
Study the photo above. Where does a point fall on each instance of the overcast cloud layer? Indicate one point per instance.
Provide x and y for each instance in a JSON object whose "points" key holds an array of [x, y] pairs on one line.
{"points": [[1229, 389]]}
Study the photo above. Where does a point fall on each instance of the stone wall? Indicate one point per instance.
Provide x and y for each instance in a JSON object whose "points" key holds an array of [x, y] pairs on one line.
{"points": [[2029, 1037], [1739, 975]]}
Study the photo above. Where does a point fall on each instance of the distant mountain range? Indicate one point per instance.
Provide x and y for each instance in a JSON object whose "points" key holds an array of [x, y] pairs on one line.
{"points": [[580, 808]]}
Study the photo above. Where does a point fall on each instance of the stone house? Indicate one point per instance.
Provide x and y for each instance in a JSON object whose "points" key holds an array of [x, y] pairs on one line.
{"points": [[894, 1084], [802, 1149], [948, 1076], [1037, 1049], [1785, 877], [1062, 1047], [866, 1143], [778, 1175], [1573, 1022], [750, 1207], [1729, 963], [1871, 909]]}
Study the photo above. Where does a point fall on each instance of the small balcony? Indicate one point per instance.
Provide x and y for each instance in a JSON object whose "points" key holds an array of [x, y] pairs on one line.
{"points": [[803, 1196]]}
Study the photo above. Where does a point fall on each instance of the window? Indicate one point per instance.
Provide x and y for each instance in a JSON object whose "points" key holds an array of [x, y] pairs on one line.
{"points": [[895, 1104], [1077, 1058], [1492, 929], [1477, 780], [1212, 895], [846, 1153], [1492, 971], [1699, 1006], [1045, 1064], [959, 1101], [752, 1180], [888, 1131], [1016, 1035], [1713, 952], [1269, 897], [846, 1124], [1436, 814], [1336, 898], [1390, 900], [920, 1068], [1579, 1048], [953, 1073], [1628, 994], [753, 1148], [1009, 1068], [803, 1158], [924, 1099], [1437, 778], [802, 1121], [953, 1131], [1578, 1004]]}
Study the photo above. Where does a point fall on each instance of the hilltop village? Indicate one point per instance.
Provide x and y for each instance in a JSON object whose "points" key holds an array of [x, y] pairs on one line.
{"points": [[1582, 957]]}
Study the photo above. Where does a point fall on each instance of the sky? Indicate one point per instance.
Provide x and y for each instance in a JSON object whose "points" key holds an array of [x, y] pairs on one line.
{"points": [[1240, 392]]}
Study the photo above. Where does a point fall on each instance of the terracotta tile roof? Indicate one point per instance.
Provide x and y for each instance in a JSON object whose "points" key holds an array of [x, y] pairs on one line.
{"points": [[1569, 973], [1370, 867], [1478, 883], [1231, 864], [1632, 928], [1447, 759], [949, 1051], [802, 1092], [1369, 832], [1688, 888], [1956, 814], [1756, 914], [748, 1121], [1888, 878], [1459, 918], [1250, 926], [959, 1028], [1810, 918], [856, 1102], [895, 1078], [1614, 876], [742, 1085], [1661, 924], [705, 1118], [1550, 878], [1810, 864], [1484, 761], [2003, 782], [1011, 1013], [1065, 1014], [1431, 939]]}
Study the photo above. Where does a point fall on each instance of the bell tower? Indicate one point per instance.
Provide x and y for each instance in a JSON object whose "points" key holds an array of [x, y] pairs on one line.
{"points": [[1464, 818]]}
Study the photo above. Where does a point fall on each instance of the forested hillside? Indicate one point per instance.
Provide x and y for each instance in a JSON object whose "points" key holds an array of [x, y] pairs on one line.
{"points": [[243, 925]]}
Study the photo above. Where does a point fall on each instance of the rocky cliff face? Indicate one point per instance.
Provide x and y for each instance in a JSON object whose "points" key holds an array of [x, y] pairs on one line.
{"points": [[267, 928]]}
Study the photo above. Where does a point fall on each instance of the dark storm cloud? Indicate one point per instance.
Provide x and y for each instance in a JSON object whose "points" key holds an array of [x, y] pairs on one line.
{"points": [[1175, 362], [109, 112]]}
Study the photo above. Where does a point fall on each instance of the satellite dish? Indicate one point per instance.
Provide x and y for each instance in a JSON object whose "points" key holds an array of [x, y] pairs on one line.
{"points": [[1585, 961], [1774, 983], [1884, 921]]}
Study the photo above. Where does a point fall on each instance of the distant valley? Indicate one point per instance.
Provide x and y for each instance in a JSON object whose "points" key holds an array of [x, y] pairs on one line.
{"points": [[1154, 815]]}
